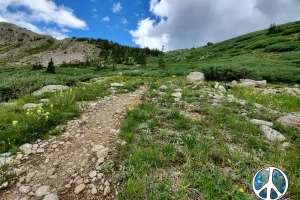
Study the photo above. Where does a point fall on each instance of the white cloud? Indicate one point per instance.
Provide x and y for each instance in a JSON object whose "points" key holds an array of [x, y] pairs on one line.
{"points": [[106, 19], [94, 10], [184, 24], [95, 16], [117, 7], [29, 12], [94, 1], [124, 20]]}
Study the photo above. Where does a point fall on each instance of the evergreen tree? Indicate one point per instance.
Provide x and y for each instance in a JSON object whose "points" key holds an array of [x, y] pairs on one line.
{"points": [[51, 67]]}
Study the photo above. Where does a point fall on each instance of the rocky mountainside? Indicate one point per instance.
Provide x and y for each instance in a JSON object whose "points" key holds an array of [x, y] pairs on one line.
{"points": [[19, 46]]}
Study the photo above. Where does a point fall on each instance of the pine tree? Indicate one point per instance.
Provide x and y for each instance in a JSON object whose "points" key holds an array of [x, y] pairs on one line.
{"points": [[51, 67]]}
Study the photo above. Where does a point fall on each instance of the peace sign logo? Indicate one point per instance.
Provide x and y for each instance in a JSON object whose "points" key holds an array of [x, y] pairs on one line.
{"points": [[270, 183]]}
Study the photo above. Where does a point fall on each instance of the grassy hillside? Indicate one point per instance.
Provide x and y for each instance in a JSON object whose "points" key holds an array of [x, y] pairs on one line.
{"points": [[274, 57]]}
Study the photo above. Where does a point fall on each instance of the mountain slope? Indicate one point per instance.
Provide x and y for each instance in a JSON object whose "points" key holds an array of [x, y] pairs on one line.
{"points": [[19, 46], [273, 56]]}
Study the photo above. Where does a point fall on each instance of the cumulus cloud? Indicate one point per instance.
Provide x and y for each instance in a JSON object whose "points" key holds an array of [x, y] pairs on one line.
{"points": [[106, 19], [28, 12], [124, 20], [117, 7], [184, 24]]}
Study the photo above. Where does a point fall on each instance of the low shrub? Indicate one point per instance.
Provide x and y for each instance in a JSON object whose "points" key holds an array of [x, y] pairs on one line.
{"points": [[227, 73], [281, 47]]}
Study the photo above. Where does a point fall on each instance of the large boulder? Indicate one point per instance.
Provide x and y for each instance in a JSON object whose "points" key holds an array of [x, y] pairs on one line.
{"points": [[290, 120], [252, 83], [196, 78], [50, 88]]}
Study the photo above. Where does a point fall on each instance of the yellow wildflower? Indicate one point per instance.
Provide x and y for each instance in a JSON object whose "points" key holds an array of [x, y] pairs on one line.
{"points": [[229, 160], [34, 106], [116, 116], [241, 190], [51, 106], [47, 113], [71, 89], [61, 91], [28, 110], [39, 111], [47, 117], [14, 122], [180, 113], [27, 113]]}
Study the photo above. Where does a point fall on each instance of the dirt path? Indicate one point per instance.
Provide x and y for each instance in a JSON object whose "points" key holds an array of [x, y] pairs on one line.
{"points": [[69, 167]]}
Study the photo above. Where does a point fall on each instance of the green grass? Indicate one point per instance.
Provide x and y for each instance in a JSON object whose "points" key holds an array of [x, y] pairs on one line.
{"points": [[31, 125], [179, 158]]}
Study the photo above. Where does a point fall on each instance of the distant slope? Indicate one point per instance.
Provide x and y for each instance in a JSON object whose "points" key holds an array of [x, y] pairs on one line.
{"points": [[275, 56], [19, 46]]}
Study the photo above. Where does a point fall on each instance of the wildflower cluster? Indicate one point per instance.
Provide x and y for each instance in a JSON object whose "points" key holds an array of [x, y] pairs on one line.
{"points": [[39, 113]]}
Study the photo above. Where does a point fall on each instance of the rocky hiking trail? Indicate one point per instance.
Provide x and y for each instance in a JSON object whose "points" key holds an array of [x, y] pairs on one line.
{"points": [[68, 166]]}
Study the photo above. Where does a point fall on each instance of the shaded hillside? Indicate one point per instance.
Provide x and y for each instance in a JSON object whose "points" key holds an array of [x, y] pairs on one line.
{"points": [[274, 55]]}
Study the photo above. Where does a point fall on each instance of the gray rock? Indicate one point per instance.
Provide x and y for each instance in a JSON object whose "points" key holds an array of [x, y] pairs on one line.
{"points": [[286, 144], [216, 85], [26, 148], [250, 83], [290, 120], [79, 188], [24, 189], [271, 134], [234, 83], [196, 78], [102, 153], [51, 197], [5, 159], [50, 88], [222, 88], [163, 87], [261, 122], [93, 174], [94, 190], [42, 191], [116, 84], [177, 95], [120, 74], [31, 106], [247, 84], [106, 190]]}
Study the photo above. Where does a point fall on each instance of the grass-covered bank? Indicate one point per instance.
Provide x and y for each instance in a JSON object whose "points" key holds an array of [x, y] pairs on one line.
{"points": [[170, 155], [18, 126]]}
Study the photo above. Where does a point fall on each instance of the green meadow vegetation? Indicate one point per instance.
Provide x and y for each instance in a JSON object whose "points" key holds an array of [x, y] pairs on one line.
{"points": [[168, 155]]}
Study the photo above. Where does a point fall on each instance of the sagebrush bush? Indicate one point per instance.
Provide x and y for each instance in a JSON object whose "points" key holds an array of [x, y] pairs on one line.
{"points": [[227, 74]]}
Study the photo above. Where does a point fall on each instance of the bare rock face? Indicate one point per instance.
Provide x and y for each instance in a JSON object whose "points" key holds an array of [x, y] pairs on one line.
{"points": [[31, 106], [50, 88], [291, 120], [196, 78]]}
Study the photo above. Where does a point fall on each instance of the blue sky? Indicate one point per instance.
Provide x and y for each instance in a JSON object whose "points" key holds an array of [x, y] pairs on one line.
{"points": [[119, 24], [176, 24]]}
